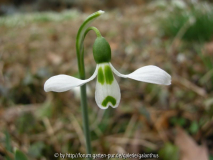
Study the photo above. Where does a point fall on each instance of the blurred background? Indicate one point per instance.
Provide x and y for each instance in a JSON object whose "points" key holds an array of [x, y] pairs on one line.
{"points": [[37, 41]]}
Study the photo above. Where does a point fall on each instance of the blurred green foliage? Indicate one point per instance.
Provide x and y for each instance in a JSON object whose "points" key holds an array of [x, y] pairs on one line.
{"points": [[25, 123], [169, 150], [8, 145], [193, 126], [23, 19], [196, 22], [20, 156], [36, 149], [178, 121]]}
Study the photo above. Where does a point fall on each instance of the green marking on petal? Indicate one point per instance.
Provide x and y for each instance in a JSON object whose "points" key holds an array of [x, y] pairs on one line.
{"points": [[107, 100], [100, 75], [108, 74]]}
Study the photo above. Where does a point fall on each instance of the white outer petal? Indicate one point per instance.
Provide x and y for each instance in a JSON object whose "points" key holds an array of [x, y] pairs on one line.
{"points": [[104, 90], [150, 74], [62, 83]]}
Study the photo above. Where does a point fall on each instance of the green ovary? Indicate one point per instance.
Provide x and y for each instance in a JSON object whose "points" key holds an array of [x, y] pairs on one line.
{"points": [[100, 76], [107, 100], [108, 74]]}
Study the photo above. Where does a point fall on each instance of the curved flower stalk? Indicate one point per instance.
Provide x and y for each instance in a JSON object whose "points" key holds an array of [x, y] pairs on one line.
{"points": [[80, 40]]}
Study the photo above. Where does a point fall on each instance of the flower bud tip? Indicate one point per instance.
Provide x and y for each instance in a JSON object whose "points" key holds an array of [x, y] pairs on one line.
{"points": [[101, 12]]}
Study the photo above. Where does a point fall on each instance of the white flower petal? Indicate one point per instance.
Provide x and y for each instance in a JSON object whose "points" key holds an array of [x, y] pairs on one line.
{"points": [[116, 72], [62, 83], [150, 74], [107, 89]]}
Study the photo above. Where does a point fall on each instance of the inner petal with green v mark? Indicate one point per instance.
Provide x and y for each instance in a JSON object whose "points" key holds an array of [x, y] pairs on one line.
{"points": [[108, 74], [107, 100], [107, 92]]}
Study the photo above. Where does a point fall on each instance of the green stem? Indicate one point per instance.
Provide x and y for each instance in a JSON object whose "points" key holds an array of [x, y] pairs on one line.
{"points": [[85, 119], [83, 30], [98, 34]]}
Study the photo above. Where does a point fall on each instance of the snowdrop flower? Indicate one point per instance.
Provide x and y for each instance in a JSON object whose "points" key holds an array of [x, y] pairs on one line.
{"points": [[107, 89]]}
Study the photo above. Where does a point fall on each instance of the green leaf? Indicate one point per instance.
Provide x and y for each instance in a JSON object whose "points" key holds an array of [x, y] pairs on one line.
{"points": [[46, 110], [20, 156], [36, 149], [8, 144], [25, 123], [194, 127], [178, 121], [169, 150]]}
